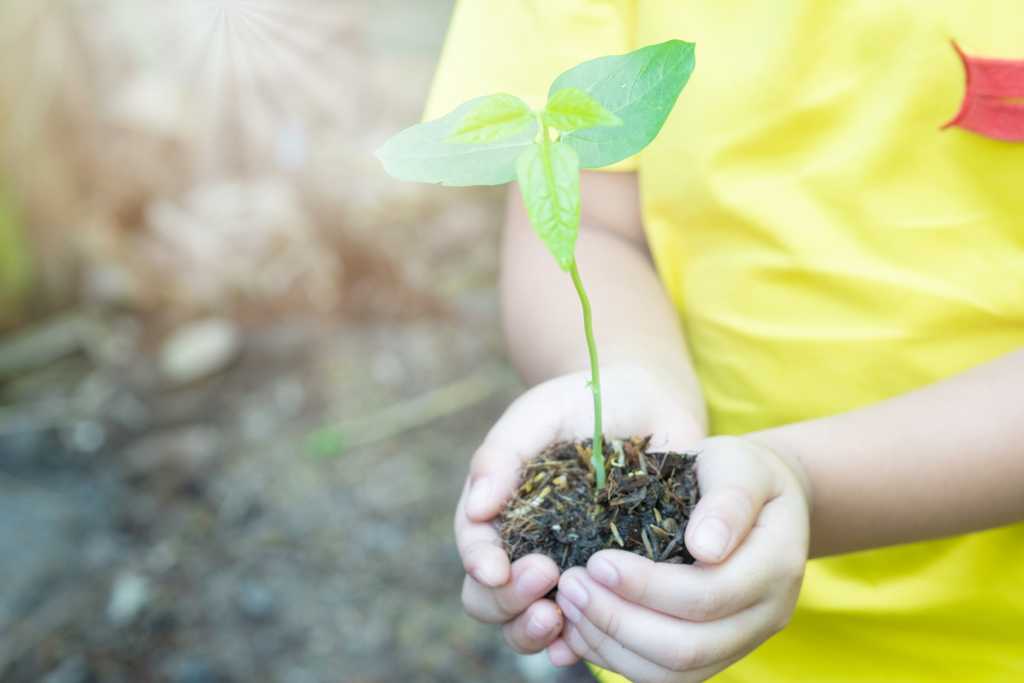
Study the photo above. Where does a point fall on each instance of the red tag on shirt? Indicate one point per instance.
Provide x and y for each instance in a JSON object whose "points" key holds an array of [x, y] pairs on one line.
{"points": [[993, 103]]}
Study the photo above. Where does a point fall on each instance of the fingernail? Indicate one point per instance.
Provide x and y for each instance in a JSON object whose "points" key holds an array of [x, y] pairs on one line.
{"points": [[479, 496], [568, 609], [574, 592], [533, 582], [540, 625], [603, 571], [711, 538]]}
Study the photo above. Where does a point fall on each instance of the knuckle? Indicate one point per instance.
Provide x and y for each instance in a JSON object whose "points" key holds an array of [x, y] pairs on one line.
{"points": [[470, 604], [613, 625], [735, 500], [707, 605], [641, 587], [781, 621], [506, 604], [683, 658], [514, 640], [577, 644]]}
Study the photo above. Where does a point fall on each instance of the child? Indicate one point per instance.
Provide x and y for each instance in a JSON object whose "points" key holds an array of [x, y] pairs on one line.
{"points": [[850, 282]]}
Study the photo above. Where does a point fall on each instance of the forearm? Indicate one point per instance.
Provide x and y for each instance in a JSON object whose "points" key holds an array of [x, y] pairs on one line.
{"points": [[634, 322], [943, 460]]}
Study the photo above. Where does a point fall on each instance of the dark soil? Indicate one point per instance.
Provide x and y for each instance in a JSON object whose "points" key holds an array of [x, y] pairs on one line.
{"points": [[643, 509]]}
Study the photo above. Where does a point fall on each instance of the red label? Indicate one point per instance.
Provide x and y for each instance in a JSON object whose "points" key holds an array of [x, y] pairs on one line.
{"points": [[993, 103]]}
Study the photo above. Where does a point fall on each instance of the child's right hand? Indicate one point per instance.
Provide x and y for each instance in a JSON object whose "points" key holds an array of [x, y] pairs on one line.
{"points": [[636, 403]]}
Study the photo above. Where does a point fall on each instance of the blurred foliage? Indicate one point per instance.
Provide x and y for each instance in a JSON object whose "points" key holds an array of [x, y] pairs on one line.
{"points": [[15, 269]]}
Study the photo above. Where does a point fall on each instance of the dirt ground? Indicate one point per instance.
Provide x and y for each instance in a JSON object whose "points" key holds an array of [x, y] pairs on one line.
{"points": [[211, 545], [171, 506]]}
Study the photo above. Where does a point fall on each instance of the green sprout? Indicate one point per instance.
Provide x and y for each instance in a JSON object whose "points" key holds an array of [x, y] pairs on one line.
{"points": [[598, 113]]}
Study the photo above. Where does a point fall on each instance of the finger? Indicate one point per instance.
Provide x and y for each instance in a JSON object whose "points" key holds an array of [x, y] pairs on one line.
{"points": [[668, 642], [534, 629], [688, 592], [734, 486], [581, 649], [594, 646], [769, 562], [531, 578], [561, 655], [480, 548], [521, 433]]}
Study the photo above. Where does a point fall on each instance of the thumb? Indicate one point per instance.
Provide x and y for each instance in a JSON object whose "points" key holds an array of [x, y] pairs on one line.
{"points": [[526, 428], [735, 484]]}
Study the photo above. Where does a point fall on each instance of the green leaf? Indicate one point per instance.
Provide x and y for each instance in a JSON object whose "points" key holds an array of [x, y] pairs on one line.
{"points": [[423, 154], [495, 118], [549, 178], [571, 109], [640, 87], [325, 443]]}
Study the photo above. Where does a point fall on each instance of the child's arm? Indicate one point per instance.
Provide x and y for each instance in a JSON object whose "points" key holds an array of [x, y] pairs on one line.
{"points": [[648, 385], [946, 459], [634, 321]]}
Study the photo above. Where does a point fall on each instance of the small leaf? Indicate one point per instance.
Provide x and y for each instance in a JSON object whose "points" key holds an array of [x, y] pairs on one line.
{"points": [[571, 109], [495, 118], [325, 443], [423, 154], [640, 87], [549, 178]]}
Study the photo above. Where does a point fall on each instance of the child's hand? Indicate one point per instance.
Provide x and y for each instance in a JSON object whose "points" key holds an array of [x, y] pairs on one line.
{"points": [[667, 623], [636, 403]]}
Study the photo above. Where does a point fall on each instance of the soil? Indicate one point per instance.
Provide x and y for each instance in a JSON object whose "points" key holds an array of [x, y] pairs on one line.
{"points": [[644, 508]]}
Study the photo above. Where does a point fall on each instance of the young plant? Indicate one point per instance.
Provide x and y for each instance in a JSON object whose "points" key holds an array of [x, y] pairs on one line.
{"points": [[598, 113]]}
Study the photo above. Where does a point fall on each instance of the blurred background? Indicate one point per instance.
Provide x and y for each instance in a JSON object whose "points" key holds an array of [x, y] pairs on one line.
{"points": [[241, 370]]}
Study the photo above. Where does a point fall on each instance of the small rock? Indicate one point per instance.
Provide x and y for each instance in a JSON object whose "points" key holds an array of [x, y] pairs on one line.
{"points": [[192, 669], [256, 601], [128, 597], [199, 350], [73, 670], [129, 411], [87, 436], [175, 457], [161, 558]]}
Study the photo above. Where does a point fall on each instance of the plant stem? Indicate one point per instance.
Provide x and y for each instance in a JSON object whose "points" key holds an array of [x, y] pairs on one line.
{"points": [[597, 448]]}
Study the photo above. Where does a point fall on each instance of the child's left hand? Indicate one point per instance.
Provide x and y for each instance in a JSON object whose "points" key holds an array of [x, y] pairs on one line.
{"points": [[673, 623]]}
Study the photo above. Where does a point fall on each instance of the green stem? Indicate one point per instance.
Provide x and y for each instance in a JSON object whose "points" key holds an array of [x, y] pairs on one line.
{"points": [[597, 446], [597, 450]]}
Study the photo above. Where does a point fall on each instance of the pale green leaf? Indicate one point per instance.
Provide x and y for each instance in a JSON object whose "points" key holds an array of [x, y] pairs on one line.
{"points": [[423, 154], [639, 87], [550, 184], [571, 109], [495, 118]]}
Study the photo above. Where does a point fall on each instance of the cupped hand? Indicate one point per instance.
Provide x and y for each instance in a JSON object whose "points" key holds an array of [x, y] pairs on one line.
{"points": [[636, 403], [656, 622]]}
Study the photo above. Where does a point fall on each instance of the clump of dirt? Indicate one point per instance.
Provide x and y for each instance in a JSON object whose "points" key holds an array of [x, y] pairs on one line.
{"points": [[644, 508]]}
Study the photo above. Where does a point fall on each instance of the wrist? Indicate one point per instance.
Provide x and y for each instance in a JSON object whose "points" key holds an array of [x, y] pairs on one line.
{"points": [[790, 463], [683, 399]]}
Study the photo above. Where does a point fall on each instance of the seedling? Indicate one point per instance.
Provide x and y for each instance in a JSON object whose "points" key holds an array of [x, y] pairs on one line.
{"points": [[598, 113]]}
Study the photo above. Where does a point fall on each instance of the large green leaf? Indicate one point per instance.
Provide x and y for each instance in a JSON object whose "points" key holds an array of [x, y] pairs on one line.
{"points": [[570, 109], [495, 118], [640, 87], [423, 153], [550, 183]]}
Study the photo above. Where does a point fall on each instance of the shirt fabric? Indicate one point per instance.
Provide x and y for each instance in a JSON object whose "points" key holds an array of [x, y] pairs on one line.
{"points": [[827, 246]]}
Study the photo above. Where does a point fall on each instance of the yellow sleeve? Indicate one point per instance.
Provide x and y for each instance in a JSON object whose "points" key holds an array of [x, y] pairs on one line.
{"points": [[520, 46]]}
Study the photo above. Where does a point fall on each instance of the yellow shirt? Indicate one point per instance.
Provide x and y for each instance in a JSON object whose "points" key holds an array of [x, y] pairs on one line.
{"points": [[827, 246]]}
